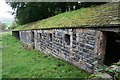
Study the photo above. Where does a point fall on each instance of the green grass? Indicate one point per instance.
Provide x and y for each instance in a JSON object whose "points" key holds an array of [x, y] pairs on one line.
{"points": [[21, 63], [85, 17]]}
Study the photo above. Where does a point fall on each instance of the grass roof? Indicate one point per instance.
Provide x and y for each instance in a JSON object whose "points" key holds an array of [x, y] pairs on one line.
{"points": [[96, 16]]}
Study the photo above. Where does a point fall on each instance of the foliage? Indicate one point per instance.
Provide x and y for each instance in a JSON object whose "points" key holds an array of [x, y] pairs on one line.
{"points": [[21, 63], [113, 71]]}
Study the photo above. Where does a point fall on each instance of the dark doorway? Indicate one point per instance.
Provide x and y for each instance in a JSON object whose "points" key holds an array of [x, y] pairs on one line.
{"points": [[50, 35], [67, 39], [16, 34], [32, 39], [112, 54]]}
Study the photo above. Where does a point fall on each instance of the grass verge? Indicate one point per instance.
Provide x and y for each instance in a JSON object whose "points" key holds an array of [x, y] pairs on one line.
{"points": [[21, 63]]}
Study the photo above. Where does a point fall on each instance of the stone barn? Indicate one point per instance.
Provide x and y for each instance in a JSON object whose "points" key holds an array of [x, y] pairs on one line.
{"points": [[92, 36]]}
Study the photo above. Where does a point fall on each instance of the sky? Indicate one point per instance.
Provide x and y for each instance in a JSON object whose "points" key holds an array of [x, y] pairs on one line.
{"points": [[4, 8]]}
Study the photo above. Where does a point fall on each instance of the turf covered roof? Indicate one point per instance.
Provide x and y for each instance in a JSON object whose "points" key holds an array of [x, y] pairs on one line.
{"points": [[99, 16]]}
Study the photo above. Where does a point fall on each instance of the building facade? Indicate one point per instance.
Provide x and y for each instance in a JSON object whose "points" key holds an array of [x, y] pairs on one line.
{"points": [[86, 36], [80, 47]]}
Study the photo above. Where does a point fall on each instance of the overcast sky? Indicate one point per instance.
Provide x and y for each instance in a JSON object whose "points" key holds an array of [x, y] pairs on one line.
{"points": [[4, 8]]}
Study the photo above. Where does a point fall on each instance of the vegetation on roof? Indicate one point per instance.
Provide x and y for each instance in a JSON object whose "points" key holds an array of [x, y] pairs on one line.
{"points": [[105, 14]]}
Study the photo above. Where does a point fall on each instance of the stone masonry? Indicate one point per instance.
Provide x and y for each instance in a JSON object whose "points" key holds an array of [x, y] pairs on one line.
{"points": [[76, 46]]}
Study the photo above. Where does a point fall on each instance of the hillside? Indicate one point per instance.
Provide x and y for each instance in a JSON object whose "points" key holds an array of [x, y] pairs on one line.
{"points": [[2, 26], [98, 16], [7, 21]]}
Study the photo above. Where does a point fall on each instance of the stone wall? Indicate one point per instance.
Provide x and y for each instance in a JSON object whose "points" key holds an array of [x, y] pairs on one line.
{"points": [[27, 37], [77, 46]]}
